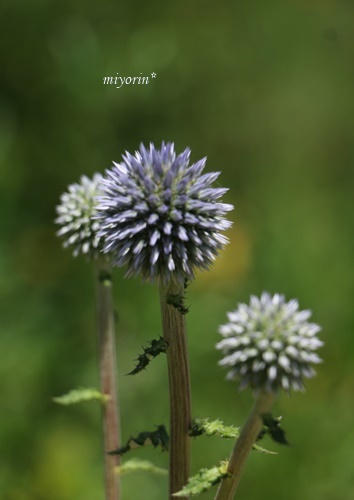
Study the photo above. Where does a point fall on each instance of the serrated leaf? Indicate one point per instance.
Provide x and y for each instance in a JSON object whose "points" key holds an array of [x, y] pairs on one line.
{"points": [[210, 428], [80, 395], [203, 480], [145, 438], [156, 347], [272, 427], [216, 427], [177, 301], [136, 465]]}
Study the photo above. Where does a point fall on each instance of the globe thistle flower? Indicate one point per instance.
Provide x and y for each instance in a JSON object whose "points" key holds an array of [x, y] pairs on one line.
{"points": [[159, 216], [75, 213], [269, 344]]}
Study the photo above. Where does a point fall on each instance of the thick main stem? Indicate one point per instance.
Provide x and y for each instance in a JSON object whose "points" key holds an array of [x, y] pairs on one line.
{"points": [[263, 404], [108, 378], [174, 332]]}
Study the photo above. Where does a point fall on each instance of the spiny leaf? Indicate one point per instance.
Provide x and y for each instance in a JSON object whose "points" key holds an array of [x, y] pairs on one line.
{"points": [[272, 427], [137, 465], [177, 301], [145, 438], [156, 347], [210, 428], [203, 480], [81, 394], [217, 427]]}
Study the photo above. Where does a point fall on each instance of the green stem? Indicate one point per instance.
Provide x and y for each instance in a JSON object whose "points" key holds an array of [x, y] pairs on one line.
{"points": [[263, 404], [107, 371], [174, 332]]}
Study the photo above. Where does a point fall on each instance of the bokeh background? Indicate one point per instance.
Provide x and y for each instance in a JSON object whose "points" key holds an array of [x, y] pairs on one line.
{"points": [[265, 91]]}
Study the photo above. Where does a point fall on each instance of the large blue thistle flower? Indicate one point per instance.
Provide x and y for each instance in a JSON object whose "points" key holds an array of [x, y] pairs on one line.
{"points": [[159, 216]]}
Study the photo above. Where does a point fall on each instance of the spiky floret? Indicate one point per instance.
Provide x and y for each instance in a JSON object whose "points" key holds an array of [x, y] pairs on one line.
{"points": [[269, 344], [159, 216], [77, 206]]}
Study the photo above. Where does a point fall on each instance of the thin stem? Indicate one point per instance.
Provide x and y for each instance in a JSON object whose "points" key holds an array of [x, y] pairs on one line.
{"points": [[263, 404], [107, 370], [174, 332]]}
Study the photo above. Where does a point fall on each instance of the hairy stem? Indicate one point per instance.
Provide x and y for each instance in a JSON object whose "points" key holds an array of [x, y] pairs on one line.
{"points": [[263, 404], [107, 371], [174, 332]]}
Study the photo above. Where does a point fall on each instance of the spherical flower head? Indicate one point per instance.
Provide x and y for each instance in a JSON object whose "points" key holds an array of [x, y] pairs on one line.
{"points": [[269, 344], [75, 212], [159, 216]]}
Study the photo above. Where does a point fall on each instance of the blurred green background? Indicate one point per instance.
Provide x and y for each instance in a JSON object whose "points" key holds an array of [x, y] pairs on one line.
{"points": [[265, 90]]}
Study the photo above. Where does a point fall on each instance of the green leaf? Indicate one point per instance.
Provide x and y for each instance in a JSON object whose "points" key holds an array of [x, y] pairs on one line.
{"points": [[204, 480], [80, 395], [145, 438], [260, 449], [156, 347], [204, 426], [216, 427], [177, 301], [136, 465], [272, 427]]}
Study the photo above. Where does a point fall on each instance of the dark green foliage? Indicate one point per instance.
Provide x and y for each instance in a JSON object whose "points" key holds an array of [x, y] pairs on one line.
{"points": [[145, 438], [177, 301], [156, 347], [273, 429]]}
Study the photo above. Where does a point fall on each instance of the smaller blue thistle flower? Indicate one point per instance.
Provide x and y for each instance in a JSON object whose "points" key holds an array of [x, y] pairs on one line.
{"points": [[75, 212], [269, 344], [159, 216]]}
